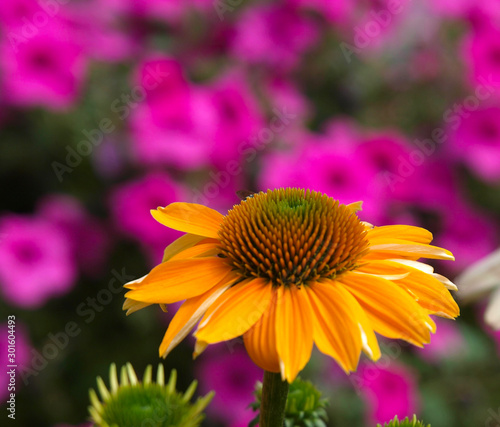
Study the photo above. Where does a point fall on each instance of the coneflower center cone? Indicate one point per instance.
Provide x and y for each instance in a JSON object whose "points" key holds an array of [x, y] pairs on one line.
{"points": [[292, 237]]}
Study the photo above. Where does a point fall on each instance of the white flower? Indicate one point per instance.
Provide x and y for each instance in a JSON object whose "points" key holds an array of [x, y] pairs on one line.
{"points": [[480, 279]]}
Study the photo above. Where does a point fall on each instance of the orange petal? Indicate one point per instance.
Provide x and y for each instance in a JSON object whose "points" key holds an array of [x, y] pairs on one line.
{"points": [[181, 244], [260, 339], [294, 339], [178, 280], [198, 251], [402, 232], [190, 218], [335, 330], [235, 312], [392, 311], [429, 292], [189, 313], [392, 247]]}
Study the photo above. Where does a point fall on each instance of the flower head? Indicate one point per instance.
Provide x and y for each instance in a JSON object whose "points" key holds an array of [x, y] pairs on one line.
{"points": [[288, 268], [131, 403]]}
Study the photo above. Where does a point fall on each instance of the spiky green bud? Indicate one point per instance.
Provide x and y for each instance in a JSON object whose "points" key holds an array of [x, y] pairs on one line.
{"points": [[131, 403], [405, 423]]}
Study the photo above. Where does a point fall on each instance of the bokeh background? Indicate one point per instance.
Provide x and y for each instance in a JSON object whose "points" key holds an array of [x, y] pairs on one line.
{"points": [[109, 108]]}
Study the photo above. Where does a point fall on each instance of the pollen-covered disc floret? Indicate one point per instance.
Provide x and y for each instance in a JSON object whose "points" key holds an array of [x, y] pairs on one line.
{"points": [[292, 237]]}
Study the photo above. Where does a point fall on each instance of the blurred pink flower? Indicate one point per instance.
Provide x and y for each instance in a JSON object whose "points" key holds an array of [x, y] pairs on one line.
{"points": [[274, 34], [46, 69], [481, 53], [16, 14], [382, 153], [35, 260], [468, 233], [388, 392], [476, 142], [237, 117], [22, 348], [232, 375], [448, 342], [175, 123], [96, 26], [88, 239], [324, 164], [131, 203], [435, 174]]}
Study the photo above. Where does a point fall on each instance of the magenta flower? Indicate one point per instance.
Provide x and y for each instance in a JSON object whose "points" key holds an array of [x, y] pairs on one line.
{"points": [[231, 374], [87, 237], [131, 202], [476, 142], [277, 28], [35, 261], [16, 14], [388, 392], [238, 117], [46, 69], [470, 233], [448, 342], [175, 123], [96, 27], [481, 53], [327, 165], [21, 354]]}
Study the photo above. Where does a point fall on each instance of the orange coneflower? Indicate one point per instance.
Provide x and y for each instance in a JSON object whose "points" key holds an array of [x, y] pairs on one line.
{"points": [[289, 268]]}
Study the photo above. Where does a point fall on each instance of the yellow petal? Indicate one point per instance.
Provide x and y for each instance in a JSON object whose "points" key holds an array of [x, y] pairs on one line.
{"points": [[355, 207], [401, 232], [181, 244], [189, 313], [178, 280], [392, 312], [235, 312], [293, 331], [132, 306], [260, 339], [392, 247], [335, 331], [190, 218]]}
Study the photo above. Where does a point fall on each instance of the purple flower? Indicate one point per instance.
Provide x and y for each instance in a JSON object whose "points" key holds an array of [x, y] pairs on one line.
{"points": [[21, 354], [274, 34], [448, 342], [88, 239], [233, 376], [131, 202], [35, 260], [388, 391], [46, 69], [476, 142]]}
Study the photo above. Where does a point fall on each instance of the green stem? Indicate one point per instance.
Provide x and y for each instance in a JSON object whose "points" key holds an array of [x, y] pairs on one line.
{"points": [[273, 403]]}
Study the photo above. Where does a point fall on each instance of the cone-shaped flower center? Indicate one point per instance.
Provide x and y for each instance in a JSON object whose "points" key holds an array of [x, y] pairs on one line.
{"points": [[292, 237]]}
